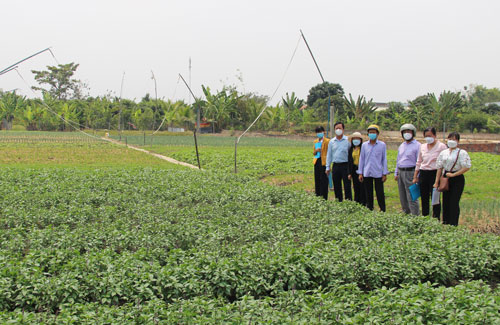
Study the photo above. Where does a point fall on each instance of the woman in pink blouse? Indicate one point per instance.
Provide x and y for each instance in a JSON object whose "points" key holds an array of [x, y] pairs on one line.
{"points": [[426, 166]]}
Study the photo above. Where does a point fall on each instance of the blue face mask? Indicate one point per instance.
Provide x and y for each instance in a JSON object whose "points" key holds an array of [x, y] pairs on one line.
{"points": [[372, 136], [320, 135], [356, 142]]}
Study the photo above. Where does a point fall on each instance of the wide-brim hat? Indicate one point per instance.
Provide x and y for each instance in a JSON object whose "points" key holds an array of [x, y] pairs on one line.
{"points": [[356, 135]]}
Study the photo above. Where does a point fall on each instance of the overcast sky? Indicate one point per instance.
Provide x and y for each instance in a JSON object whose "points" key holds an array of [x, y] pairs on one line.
{"points": [[388, 50]]}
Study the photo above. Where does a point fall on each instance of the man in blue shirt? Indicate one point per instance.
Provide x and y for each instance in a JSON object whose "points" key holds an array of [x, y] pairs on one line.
{"points": [[372, 168], [338, 154]]}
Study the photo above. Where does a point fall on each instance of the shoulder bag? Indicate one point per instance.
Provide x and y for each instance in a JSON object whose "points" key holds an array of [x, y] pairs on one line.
{"points": [[444, 186]]}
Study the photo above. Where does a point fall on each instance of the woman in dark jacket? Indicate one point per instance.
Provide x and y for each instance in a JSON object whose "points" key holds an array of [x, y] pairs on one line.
{"points": [[354, 153]]}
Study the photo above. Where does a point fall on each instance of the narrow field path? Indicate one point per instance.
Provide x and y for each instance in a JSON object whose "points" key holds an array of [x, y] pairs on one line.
{"points": [[170, 160]]}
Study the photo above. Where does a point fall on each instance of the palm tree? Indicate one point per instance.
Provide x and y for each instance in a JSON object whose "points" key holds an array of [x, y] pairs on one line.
{"points": [[360, 108], [445, 109]]}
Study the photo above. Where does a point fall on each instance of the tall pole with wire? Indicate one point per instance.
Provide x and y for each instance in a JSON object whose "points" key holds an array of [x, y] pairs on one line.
{"points": [[13, 66], [198, 107], [120, 111], [323, 79]]}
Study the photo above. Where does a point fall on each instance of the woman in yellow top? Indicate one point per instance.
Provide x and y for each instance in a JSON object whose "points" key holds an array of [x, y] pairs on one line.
{"points": [[319, 161], [354, 153]]}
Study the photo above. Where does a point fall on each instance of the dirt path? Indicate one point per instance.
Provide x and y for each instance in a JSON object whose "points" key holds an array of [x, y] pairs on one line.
{"points": [[170, 160]]}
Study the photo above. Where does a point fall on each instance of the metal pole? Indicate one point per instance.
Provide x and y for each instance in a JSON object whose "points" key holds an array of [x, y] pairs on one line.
{"points": [[196, 146], [198, 106], [156, 99], [27, 58], [235, 151], [323, 79]]}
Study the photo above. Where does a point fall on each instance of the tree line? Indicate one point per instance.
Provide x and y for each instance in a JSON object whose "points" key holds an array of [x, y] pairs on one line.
{"points": [[64, 107]]}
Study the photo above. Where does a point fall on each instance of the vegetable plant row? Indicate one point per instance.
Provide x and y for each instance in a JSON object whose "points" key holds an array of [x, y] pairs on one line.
{"points": [[466, 303], [174, 244]]}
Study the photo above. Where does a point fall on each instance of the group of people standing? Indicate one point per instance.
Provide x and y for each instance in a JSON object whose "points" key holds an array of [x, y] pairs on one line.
{"points": [[348, 159]]}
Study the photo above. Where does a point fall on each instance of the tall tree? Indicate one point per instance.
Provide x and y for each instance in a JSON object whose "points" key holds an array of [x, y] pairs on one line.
{"points": [[478, 96], [59, 81], [318, 100]]}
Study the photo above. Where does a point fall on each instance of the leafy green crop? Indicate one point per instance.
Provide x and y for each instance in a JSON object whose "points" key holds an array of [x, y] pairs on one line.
{"points": [[146, 245]]}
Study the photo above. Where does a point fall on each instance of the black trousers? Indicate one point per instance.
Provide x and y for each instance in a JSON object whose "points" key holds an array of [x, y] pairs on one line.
{"points": [[451, 200], [340, 174], [379, 189], [426, 181], [320, 179], [359, 190]]}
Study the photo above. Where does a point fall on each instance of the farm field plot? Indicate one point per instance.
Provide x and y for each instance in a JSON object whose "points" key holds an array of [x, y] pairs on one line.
{"points": [[142, 245], [104, 234], [285, 162], [56, 149]]}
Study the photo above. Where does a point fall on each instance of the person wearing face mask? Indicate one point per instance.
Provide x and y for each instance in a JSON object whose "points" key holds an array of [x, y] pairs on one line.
{"points": [[453, 163], [338, 152], [425, 170], [372, 167], [354, 153], [405, 168], [319, 161]]}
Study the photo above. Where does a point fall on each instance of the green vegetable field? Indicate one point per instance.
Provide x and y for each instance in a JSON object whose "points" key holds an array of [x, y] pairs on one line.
{"points": [[120, 237]]}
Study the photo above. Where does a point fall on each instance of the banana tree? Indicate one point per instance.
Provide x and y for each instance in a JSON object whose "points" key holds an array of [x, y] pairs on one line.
{"points": [[31, 117], [292, 105], [275, 117], [220, 107], [70, 115], [10, 106]]}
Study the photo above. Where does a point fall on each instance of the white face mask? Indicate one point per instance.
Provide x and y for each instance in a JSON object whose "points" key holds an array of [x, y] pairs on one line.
{"points": [[407, 136], [429, 140], [356, 142], [339, 132], [452, 144]]}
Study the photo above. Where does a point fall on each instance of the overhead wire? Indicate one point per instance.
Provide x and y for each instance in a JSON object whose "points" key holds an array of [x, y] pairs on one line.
{"points": [[47, 108], [275, 91], [265, 105], [165, 113]]}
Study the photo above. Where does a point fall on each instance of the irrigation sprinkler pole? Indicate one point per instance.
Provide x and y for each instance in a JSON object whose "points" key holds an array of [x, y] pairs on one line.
{"points": [[156, 98], [120, 112], [235, 152], [196, 146], [323, 79], [194, 133], [13, 66]]}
